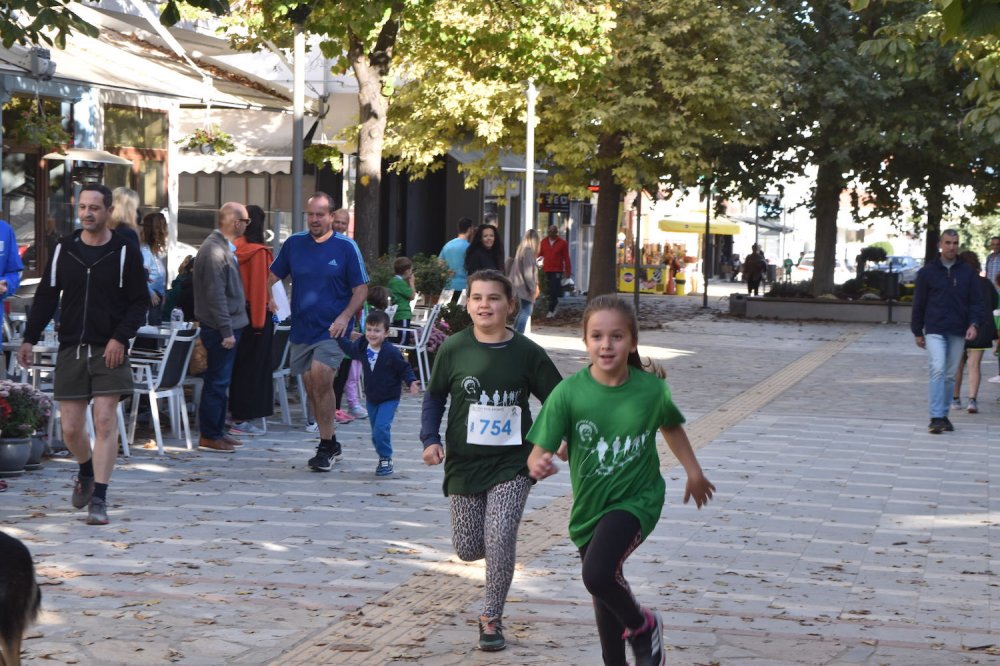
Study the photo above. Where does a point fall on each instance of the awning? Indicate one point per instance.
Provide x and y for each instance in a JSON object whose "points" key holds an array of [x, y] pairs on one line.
{"points": [[508, 162], [232, 163], [692, 226], [768, 224]]}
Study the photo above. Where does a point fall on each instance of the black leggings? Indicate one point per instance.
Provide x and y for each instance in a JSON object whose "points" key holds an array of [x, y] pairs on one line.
{"points": [[617, 534]]}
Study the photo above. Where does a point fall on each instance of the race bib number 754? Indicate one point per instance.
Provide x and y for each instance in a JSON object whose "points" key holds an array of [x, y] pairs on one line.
{"points": [[491, 425]]}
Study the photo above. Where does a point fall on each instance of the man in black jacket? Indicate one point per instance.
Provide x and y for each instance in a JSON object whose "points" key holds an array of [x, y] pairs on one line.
{"points": [[947, 310], [100, 277]]}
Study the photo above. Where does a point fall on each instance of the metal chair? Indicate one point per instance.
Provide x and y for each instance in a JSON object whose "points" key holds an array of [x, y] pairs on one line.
{"points": [[164, 378], [420, 335], [281, 371]]}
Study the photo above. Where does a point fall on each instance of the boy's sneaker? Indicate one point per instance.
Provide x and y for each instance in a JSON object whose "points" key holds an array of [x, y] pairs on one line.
{"points": [[935, 427], [325, 457], [340, 416], [246, 429], [948, 427], [359, 412], [312, 427], [973, 407], [384, 467], [82, 491], [956, 403], [647, 642], [97, 513], [491, 635]]}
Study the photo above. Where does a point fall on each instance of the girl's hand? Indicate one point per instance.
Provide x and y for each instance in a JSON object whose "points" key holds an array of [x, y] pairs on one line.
{"points": [[540, 464], [433, 454], [415, 388], [563, 451], [700, 489]]}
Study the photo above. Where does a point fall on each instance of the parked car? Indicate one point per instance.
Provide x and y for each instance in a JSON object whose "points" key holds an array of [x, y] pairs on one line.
{"points": [[907, 267], [803, 271]]}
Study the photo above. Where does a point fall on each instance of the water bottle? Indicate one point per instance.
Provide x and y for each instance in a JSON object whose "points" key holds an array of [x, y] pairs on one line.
{"points": [[177, 318], [49, 338]]}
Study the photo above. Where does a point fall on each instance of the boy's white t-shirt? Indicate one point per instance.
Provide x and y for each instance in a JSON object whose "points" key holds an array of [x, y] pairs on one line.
{"points": [[372, 357]]}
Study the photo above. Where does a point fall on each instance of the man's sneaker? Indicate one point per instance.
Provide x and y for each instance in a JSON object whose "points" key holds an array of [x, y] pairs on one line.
{"points": [[312, 427], [491, 635], [948, 427], [935, 427], [956, 403], [994, 380], [647, 642], [325, 458], [97, 513], [384, 467], [973, 407], [246, 429], [82, 491], [359, 412], [340, 416]]}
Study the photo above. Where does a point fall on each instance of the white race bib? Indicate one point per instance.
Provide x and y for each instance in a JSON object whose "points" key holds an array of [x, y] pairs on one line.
{"points": [[491, 425]]}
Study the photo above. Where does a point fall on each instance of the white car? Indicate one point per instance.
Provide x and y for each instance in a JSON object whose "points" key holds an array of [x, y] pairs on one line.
{"points": [[803, 271]]}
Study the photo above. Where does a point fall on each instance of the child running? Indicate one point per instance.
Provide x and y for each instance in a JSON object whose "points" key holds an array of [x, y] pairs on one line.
{"points": [[489, 372], [609, 413], [384, 370]]}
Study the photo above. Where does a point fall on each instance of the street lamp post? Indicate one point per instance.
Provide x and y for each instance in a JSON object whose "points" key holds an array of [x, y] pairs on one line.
{"points": [[708, 230], [637, 253]]}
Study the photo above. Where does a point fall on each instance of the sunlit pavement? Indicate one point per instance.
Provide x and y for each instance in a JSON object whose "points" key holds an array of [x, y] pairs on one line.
{"points": [[842, 533]]}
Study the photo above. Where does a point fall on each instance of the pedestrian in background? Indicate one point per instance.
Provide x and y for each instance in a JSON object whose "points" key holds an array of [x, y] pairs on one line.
{"points": [[754, 267], [125, 214], [221, 309], [402, 288], [154, 255], [523, 275], [556, 265], [453, 254], [485, 374], [10, 261], [947, 312], [609, 414], [485, 251], [985, 336], [251, 393]]}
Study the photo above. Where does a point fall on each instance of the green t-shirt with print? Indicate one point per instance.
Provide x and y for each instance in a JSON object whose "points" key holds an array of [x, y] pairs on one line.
{"points": [[611, 431], [402, 294], [485, 383]]}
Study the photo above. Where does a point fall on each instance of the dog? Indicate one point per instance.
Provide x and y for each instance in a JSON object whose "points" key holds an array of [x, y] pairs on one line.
{"points": [[20, 597]]}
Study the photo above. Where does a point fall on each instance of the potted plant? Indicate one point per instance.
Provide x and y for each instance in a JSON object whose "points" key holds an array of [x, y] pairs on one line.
{"points": [[35, 128], [23, 410], [209, 141], [430, 275]]}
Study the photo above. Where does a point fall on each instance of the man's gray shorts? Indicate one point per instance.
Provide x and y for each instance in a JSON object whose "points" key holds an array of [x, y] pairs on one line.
{"points": [[327, 352]]}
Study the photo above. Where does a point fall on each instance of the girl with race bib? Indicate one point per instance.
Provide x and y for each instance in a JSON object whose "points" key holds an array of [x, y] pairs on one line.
{"points": [[609, 414], [488, 372]]}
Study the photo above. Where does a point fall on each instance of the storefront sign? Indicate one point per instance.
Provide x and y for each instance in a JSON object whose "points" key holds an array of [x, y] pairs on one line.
{"points": [[553, 203]]}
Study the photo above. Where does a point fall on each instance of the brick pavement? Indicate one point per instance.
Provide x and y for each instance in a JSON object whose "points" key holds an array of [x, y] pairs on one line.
{"points": [[842, 532]]}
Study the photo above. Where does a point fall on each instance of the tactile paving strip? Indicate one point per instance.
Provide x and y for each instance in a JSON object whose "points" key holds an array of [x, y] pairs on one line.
{"points": [[398, 621]]}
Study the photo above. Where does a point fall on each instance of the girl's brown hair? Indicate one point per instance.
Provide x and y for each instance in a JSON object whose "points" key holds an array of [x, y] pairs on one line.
{"points": [[154, 232], [610, 302]]}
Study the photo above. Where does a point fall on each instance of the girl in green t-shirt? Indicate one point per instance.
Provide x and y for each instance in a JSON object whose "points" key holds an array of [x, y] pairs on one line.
{"points": [[488, 372], [608, 414]]}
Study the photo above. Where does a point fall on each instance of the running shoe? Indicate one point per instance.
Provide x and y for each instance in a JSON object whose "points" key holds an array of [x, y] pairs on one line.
{"points": [[973, 407], [340, 416], [491, 635], [956, 403], [358, 412], [97, 513], [935, 427], [384, 467], [647, 642], [82, 491], [994, 380], [325, 457], [312, 427], [948, 427], [246, 429]]}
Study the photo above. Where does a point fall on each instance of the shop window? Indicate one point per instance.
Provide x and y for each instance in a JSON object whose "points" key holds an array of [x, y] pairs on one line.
{"points": [[245, 188]]}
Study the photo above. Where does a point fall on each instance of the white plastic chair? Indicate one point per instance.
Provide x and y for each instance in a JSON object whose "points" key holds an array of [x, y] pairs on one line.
{"points": [[420, 335], [164, 378]]}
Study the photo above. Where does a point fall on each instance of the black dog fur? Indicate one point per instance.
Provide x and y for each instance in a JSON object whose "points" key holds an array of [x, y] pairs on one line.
{"points": [[20, 597]]}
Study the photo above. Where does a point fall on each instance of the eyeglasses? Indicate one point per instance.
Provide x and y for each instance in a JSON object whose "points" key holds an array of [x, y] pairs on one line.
{"points": [[244, 220]]}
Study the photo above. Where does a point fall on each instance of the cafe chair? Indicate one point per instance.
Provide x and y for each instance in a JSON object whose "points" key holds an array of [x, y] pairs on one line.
{"points": [[420, 336], [281, 371], [164, 378]]}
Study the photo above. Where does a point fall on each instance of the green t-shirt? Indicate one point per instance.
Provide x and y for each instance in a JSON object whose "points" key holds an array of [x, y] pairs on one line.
{"points": [[611, 430], [487, 377], [402, 294]]}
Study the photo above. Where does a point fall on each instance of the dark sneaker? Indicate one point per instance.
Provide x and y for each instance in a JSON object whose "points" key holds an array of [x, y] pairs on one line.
{"points": [[647, 642], [97, 513], [325, 457], [948, 427], [82, 491], [384, 467], [491, 635], [935, 427]]}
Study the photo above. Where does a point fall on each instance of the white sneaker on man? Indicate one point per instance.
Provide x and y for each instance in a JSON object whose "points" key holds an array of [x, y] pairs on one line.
{"points": [[994, 380]]}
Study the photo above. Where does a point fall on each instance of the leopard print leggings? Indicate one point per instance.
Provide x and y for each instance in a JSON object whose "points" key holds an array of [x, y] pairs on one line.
{"points": [[485, 525]]}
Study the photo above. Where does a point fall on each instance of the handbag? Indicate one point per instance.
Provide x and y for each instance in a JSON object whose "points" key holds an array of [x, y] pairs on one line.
{"points": [[199, 358]]}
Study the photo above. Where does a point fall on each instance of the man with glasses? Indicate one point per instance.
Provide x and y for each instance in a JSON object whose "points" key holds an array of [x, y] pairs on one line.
{"points": [[220, 308]]}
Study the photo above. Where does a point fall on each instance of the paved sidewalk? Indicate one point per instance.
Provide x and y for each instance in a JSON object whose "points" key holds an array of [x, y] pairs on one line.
{"points": [[842, 532]]}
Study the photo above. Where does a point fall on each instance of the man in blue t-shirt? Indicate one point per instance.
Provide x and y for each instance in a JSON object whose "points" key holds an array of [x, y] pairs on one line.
{"points": [[10, 261], [453, 254], [329, 284]]}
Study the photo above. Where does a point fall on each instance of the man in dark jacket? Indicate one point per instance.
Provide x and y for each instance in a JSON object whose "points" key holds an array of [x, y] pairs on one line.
{"points": [[947, 310], [100, 277]]}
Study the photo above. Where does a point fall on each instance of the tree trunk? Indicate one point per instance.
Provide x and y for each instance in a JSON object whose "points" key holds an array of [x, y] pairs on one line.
{"points": [[602, 259], [826, 203], [372, 108], [934, 194]]}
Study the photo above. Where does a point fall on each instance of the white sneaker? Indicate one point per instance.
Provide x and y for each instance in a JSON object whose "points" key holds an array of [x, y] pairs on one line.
{"points": [[550, 315], [312, 427], [246, 428], [358, 412], [994, 380]]}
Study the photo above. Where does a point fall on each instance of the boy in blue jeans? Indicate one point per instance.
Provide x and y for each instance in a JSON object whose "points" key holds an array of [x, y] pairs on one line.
{"points": [[384, 370]]}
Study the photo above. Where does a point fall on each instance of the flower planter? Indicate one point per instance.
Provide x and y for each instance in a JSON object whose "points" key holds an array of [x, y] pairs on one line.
{"points": [[14, 454], [35, 459]]}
